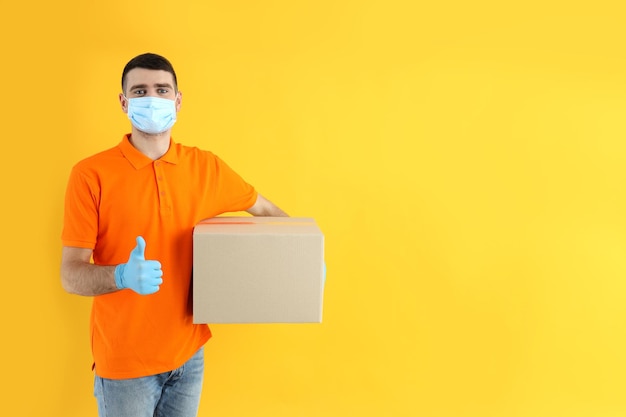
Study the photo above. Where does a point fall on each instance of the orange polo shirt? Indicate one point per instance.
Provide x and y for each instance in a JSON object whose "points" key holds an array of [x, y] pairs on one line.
{"points": [[119, 194]]}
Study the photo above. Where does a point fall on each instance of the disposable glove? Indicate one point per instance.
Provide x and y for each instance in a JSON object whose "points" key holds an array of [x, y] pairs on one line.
{"points": [[141, 276]]}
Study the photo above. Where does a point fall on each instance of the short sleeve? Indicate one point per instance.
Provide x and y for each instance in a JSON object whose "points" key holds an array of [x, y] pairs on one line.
{"points": [[231, 191], [80, 219]]}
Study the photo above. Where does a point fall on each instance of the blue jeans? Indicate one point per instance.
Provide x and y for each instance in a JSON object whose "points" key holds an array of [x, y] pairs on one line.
{"points": [[170, 394]]}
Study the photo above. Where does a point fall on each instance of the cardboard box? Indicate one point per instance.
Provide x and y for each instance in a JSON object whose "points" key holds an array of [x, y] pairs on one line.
{"points": [[257, 270]]}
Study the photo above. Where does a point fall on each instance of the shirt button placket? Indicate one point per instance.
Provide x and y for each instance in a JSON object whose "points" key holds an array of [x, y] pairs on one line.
{"points": [[163, 197]]}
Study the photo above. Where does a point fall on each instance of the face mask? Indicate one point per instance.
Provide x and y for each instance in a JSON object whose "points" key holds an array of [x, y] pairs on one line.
{"points": [[152, 114]]}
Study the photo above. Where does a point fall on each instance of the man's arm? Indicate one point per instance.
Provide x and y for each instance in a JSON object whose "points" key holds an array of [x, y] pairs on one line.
{"points": [[264, 207], [79, 276]]}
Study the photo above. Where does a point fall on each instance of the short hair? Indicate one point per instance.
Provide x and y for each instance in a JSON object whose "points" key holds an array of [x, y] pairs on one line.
{"points": [[149, 61]]}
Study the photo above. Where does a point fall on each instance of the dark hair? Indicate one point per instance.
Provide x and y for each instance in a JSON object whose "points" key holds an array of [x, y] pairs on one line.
{"points": [[149, 61]]}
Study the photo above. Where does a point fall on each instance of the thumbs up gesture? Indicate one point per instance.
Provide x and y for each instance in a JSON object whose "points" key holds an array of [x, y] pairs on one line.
{"points": [[141, 276]]}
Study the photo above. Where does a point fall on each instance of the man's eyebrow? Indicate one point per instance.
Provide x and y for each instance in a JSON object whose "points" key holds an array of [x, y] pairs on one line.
{"points": [[134, 87], [159, 85]]}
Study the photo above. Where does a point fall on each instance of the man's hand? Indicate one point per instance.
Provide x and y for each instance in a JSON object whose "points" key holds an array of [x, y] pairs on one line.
{"points": [[141, 276]]}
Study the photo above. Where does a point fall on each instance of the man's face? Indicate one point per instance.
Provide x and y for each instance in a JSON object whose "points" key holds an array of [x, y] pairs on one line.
{"points": [[142, 82]]}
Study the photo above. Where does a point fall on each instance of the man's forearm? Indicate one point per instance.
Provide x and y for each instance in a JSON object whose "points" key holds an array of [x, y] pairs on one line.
{"points": [[265, 208], [87, 279], [273, 211]]}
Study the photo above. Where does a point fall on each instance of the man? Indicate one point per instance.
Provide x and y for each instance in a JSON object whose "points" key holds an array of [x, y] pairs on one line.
{"points": [[132, 209]]}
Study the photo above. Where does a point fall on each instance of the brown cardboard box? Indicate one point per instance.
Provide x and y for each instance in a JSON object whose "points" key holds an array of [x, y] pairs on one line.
{"points": [[257, 270]]}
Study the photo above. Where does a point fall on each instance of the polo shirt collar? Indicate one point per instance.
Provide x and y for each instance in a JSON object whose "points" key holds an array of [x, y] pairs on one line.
{"points": [[139, 160]]}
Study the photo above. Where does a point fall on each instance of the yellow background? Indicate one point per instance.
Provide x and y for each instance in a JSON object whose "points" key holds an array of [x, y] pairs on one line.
{"points": [[465, 160]]}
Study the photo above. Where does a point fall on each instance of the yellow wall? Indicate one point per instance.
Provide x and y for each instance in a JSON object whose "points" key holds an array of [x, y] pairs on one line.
{"points": [[465, 159]]}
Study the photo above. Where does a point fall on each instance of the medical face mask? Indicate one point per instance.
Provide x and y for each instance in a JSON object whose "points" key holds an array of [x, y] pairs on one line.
{"points": [[152, 114]]}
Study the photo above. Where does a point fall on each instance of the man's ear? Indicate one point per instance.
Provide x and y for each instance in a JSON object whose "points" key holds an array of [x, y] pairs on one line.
{"points": [[179, 100], [123, 102]]}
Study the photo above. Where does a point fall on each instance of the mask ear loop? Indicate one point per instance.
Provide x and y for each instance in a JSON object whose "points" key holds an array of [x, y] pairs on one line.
{"points": [[176, 102]]}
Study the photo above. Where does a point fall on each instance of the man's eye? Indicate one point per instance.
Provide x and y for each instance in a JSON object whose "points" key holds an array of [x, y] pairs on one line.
{"points": [[139, 92], [163, 91]]}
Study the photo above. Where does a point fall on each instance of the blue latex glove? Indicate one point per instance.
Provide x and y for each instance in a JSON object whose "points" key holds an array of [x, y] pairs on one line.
{"points": [[141, 276]]}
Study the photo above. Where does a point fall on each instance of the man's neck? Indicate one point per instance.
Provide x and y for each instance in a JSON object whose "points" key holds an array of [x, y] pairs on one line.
{"points": [[153, 146]]}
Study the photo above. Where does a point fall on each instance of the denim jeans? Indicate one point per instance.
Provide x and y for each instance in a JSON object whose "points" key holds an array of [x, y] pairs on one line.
{"points": [[170, 394]]}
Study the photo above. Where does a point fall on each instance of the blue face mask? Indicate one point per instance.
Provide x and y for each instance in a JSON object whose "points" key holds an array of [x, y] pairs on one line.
{"points": [[152, 114]]}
